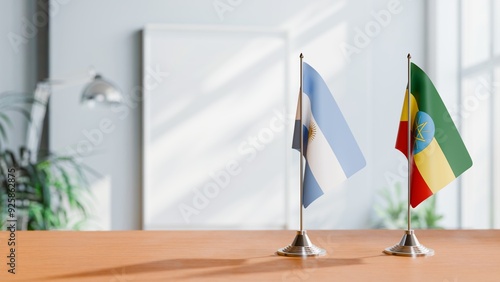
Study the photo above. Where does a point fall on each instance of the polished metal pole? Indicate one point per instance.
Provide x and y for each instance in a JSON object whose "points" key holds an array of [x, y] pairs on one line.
{"points": [[408, 101], [301, 147]]}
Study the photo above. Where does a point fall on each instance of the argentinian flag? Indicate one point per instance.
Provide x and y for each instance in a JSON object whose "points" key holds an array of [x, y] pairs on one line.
{"points": [[331, 152]]}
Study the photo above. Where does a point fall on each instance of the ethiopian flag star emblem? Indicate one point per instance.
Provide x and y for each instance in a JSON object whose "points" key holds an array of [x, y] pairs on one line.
{"points": [[438, 154]]}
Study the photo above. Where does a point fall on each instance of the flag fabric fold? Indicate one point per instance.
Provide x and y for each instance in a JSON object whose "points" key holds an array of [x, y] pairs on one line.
{"points": [[330, 150], [438, 154]]}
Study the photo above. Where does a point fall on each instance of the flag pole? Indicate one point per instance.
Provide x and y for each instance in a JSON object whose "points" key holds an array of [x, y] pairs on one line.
{"points": [[408, 104], [301, 245], [301, 146], [409, 246]]}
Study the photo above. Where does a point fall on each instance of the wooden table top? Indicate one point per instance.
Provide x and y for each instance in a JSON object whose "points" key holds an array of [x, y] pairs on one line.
{"points": [[353, 255]]}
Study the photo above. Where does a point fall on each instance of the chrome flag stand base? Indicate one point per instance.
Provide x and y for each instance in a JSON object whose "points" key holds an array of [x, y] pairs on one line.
{"points": [[409, 247], [301, 247]]}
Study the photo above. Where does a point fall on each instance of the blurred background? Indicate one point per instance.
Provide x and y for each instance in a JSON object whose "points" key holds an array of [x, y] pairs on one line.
{"points": [[202, 136]]}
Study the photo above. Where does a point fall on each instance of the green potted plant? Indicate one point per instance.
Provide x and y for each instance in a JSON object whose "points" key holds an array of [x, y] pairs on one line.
{"points": [[50, 193]]}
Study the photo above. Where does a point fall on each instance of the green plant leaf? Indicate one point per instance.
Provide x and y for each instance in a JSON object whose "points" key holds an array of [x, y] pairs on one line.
{"points": [[53, 187], [392, 213]]}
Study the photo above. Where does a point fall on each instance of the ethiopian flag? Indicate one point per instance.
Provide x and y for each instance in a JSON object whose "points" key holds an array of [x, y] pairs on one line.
{"points": [[438, 154]]}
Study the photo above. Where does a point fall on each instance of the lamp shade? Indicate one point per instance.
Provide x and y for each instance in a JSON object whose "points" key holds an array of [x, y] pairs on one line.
{"points": [[101, 90]]}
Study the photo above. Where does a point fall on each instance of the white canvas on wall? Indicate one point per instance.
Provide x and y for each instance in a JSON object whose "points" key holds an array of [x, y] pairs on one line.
{"points": [[215, 132]]}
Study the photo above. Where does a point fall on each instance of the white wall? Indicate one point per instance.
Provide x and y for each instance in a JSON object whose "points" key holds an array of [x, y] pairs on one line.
{"points": [[368, 87], [17, 57]]}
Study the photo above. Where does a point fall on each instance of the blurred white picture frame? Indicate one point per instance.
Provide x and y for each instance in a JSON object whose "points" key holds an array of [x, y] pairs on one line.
{"points": [[216, 127]]}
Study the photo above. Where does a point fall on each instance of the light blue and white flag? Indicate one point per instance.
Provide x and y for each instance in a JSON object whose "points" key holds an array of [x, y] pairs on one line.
{"points": [[331, 152]]}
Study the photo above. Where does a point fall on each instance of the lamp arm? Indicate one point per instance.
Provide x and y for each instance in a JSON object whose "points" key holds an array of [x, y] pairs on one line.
{"points": [[38, 111], [66, 82], [98, 88]]}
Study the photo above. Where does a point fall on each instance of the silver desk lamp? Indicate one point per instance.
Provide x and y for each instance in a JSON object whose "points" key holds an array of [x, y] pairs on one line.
{"points": [[97, 90]]}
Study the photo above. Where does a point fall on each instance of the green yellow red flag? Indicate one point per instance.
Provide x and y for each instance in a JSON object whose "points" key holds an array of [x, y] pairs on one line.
{"points": [[438, 154]]}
